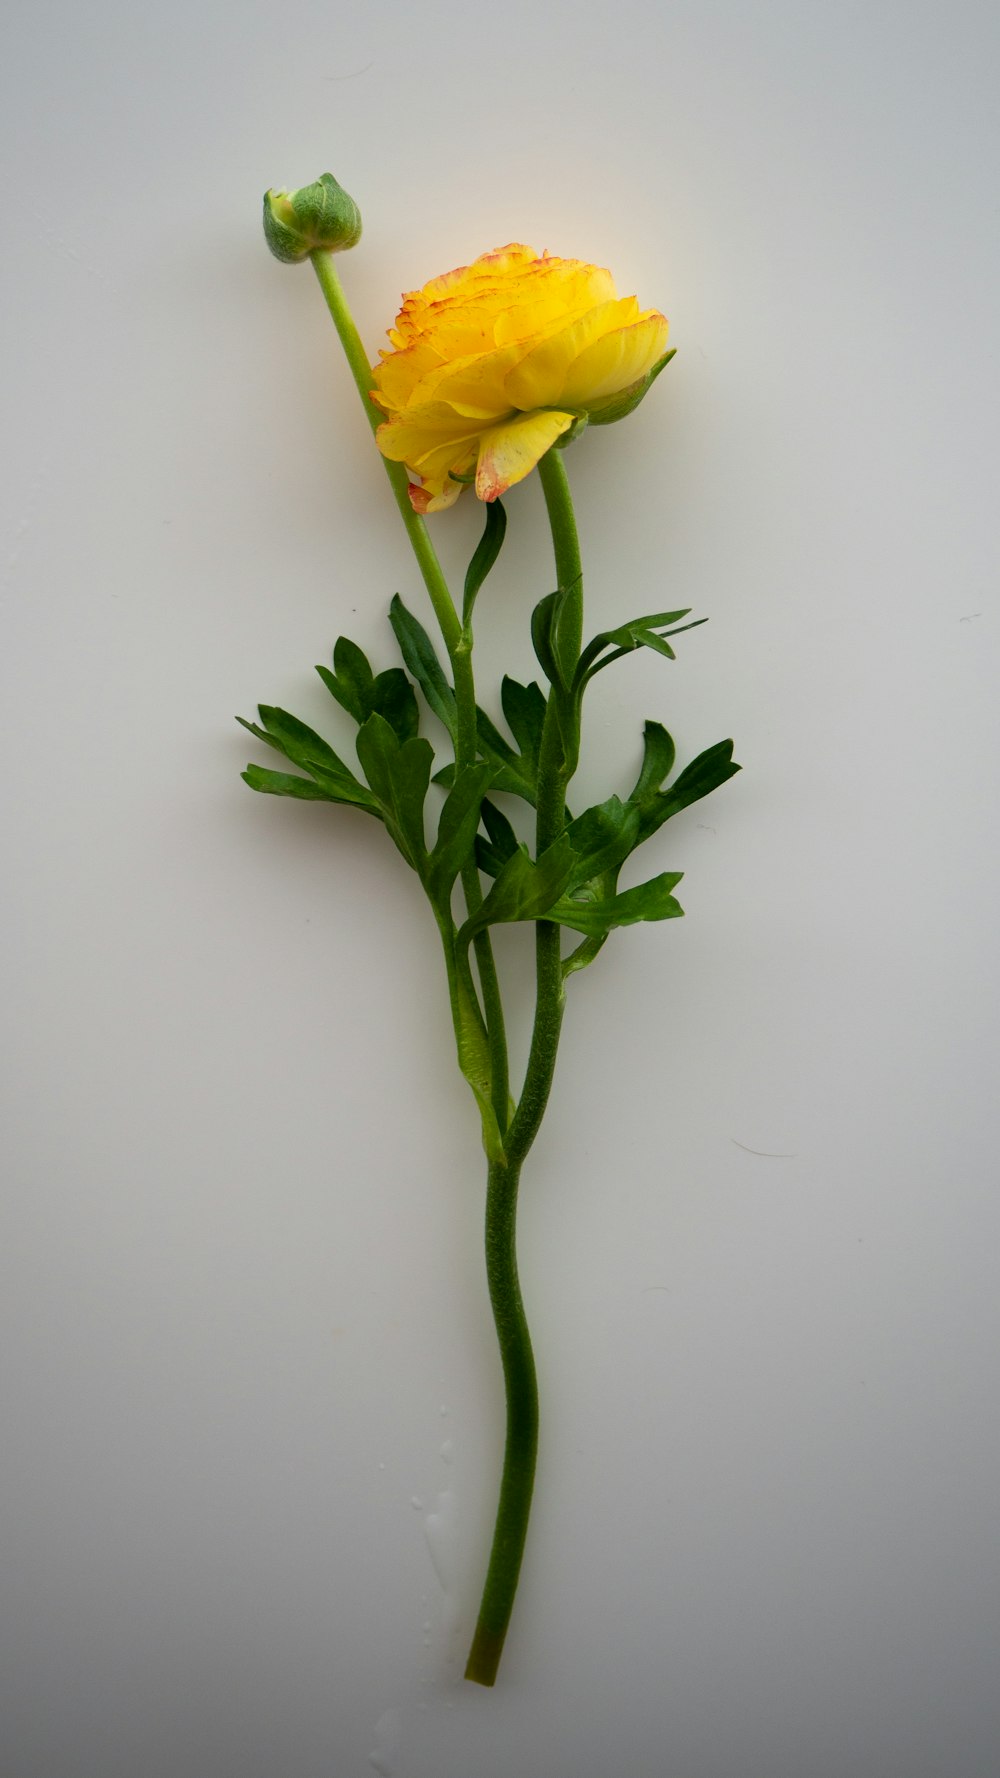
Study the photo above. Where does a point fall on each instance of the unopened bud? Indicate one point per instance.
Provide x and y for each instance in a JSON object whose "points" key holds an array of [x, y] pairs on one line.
{"points": [[321, 216]]}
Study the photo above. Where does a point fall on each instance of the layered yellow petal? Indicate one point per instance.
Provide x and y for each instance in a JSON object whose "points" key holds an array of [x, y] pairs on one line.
{"points": [[508, 453], [407, 438], [615, 361], [491, 363], [540, 377]]}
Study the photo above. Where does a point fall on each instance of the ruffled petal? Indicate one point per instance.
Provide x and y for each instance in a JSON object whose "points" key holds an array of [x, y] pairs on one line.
{"points": [[508, 453], [539, 380], [409, 437], [616, 361]]}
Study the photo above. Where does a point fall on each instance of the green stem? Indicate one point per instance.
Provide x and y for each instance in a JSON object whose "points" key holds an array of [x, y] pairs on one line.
{"points": [[522, 1425], [457, 641], [501, 1203], [416, 530], [566, 544]]}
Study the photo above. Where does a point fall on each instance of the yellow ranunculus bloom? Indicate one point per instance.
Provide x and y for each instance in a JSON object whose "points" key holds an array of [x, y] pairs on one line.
{"points": [[493, 362]]}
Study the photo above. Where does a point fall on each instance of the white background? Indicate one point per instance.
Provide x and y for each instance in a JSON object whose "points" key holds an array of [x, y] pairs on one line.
{"points": [[244, 1318]]}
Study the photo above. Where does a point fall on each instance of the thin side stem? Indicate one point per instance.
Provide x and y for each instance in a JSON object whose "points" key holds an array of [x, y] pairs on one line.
{"points": [[459, 646], [416, 530]]}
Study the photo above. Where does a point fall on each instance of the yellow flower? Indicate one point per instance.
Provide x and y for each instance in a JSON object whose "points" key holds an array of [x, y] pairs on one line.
{"points": [[494, 362]]}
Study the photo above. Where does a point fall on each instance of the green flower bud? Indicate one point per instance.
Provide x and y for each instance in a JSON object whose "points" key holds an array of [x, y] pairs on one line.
{"points": [[318, 216]]}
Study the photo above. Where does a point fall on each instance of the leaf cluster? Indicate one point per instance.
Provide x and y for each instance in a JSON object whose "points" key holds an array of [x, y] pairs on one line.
{"points": [[574, 881]]}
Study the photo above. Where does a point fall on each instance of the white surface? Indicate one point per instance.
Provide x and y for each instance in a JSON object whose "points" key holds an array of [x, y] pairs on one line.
{"points": [[243, 1308]]}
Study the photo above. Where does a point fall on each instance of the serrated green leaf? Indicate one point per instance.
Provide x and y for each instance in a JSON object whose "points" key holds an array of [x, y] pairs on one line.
{"points": [[486, 553], [596, 918], [658, 754], [418, 653], [457, 826]]}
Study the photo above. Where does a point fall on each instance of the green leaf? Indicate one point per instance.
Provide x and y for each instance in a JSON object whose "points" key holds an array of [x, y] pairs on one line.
{"points": [[703, 775], [524, 707], [602, 838], [596, 918], [399, 773], [457, 826], [606, 410], [553, 650], [658, 754], [417, 651], [295, 740], [289, 784], [351, 682], [543, 622], [493, 852], [487, 551], [355, 689], [394, 698], [524, 889], [303, 747], [639, 632]]}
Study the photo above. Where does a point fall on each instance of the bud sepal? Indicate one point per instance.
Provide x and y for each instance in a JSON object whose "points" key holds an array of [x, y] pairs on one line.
{"points": [[321, 217]]}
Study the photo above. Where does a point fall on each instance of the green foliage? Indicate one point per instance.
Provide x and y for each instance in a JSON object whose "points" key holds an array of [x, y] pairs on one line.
{"points": [[658, 754], [457, 827], [639, 632], [399, 773], [417, 650], [551, 641], [498, 843], [303, 747], [703, 775], [524, 889], [487, 551], [599, 916], [288, 784], [574, 883], [361, 694]]}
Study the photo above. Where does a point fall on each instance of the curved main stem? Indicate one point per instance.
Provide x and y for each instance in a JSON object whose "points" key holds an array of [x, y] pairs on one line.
{"points": [[521, 1443], [521, 1447]]}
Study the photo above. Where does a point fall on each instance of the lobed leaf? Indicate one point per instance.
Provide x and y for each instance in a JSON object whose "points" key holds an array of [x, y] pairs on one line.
{"points": [[704, 774], [303, 747], [597, 917], [524, 889]]}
